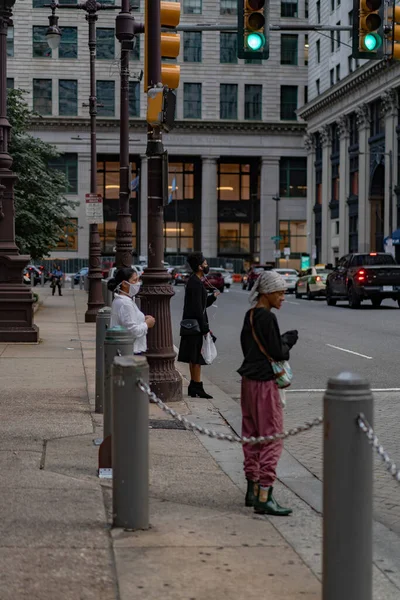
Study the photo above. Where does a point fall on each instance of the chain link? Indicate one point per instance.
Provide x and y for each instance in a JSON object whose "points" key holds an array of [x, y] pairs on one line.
{"points": [[267, 439], [373, 440]]}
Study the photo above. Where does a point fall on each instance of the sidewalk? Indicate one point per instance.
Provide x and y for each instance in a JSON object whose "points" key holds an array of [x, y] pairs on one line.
{"points": [[56, 539]]}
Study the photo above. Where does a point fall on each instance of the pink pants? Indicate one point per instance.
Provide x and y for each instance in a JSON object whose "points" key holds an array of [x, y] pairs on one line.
{"points": [[261, 415]]}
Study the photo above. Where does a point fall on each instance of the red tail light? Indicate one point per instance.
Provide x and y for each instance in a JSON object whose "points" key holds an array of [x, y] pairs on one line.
{"points": [[318, 278], [360, 275], [373, 253]]}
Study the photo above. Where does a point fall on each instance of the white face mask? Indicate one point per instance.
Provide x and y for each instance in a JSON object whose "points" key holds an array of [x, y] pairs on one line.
{"points": [[133, 289]]}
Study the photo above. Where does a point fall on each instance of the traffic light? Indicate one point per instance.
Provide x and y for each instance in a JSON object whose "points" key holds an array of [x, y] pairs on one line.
{"points": [[392, 31], [368, 29], [253, 28], [170, 14]]}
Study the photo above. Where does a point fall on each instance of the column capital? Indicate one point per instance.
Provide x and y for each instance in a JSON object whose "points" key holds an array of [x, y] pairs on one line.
{"points": [[343, 125], [210, 159], [143, 157], [325, 134], [390, 102], [270, 160], [363, 115], [309, 142]]}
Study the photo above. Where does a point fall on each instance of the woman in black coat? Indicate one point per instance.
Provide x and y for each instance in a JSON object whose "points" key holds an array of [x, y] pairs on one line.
{"points": [[197, 300]]}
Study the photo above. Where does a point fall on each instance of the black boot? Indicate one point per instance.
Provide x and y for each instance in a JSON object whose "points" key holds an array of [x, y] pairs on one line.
{"points": [[191, 389], [197, 390], [267, 505], [252, 493]]}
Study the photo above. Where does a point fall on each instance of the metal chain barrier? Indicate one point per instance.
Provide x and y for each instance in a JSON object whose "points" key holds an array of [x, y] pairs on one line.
{"points": [[374, 441], [144, 387]]}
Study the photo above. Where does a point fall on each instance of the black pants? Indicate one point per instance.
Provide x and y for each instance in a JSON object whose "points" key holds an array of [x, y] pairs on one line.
{"points": [[54, 285]]}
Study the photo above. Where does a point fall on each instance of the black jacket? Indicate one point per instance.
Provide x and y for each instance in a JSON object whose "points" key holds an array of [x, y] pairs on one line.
{"points": [[197, 299]]}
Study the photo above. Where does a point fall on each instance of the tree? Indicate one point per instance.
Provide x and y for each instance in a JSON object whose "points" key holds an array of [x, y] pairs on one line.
{"points": [[41, 208]]}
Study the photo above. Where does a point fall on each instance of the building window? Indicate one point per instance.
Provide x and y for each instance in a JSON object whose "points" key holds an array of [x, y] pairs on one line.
{"points": [[69, 43], [353, 130], [105, 91], [306, 9], [234, 238], [305, 94], [105, 43], [192, 100], [134, 99], [228, 48], [192, 46], [317, 86], [288, 102], [181, 181], [318, 50], [293, 177], [332, 36], [40, 47], [306, 50], [67, 97], [335, 182], [377, 118], [233, 181], [332, 76], [289, 44], [350, 63], [338, 37], [253, 102], [228, 101], [135, 53], [178, 237], [332, 5], [10, 83], [289, 8], [69, 239], [318, 6], [294, 236], [337, 73], [42, 96], [354, 183], [192, 7], [228, 7], [350, 18], [10, 41], [67, 164]]}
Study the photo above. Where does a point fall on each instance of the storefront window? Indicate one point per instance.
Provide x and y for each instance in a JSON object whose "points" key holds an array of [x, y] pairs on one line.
{"points": [[69, 240], [233, 181], [181, 181], [178, 237], [234, 238], [294, 236]]}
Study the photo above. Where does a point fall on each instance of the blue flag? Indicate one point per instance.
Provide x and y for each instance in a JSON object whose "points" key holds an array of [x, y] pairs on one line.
{"points": [[135, 184]]}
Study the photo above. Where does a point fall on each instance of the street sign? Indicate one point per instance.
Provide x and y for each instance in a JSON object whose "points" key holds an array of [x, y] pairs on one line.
{"points": [[286, 251], [305, 263], [94, 208], [276, 238], [277, 253]]}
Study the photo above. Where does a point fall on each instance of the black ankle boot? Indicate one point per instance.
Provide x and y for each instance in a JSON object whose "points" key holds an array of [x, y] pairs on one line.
{"points": [[197, 390], [252, 493], [191, 389], [267, 505]]}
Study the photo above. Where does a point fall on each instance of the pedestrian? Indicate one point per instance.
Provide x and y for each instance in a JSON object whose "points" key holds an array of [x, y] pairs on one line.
{"points": [[262, 412], [197, 299], [56, 280], [125, 312]]}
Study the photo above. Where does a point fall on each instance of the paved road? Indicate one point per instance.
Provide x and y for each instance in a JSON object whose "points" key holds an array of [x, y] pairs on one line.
{"points": [[331, 339]]}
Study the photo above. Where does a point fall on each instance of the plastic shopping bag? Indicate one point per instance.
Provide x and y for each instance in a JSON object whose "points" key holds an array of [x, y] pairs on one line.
{"points": [[208, 349]]}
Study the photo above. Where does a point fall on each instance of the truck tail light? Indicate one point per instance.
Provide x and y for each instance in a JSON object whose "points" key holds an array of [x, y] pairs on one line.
{"points": [[360, 275]]}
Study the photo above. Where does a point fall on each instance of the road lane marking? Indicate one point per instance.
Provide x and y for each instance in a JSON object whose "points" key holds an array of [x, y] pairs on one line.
{"points": [[289, 302], [350, 351], [321, 390]]}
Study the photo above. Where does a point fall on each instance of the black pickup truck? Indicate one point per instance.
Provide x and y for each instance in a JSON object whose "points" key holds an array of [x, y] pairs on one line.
{"points": [[374, 276]]}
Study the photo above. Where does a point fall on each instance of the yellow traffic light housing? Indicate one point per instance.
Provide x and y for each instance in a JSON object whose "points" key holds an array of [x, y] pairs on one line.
{"points": [[393, 31], [368, 29]]}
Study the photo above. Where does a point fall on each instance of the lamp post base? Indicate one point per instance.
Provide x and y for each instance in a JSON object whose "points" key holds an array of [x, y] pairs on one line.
{"points": [[16, 312]]}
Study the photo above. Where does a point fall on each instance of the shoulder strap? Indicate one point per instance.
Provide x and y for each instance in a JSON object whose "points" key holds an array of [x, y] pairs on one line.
{"points": [[260, 346]]}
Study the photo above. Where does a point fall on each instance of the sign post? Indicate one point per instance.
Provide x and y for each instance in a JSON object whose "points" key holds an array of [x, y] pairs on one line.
{"points": [[94, 208]]}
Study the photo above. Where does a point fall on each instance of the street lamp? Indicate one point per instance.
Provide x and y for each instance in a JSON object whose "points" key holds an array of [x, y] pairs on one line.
{"points": [[16, 300], [91, 8]]}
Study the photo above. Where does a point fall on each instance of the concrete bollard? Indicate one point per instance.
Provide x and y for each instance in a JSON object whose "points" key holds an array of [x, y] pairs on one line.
{"points": [[32, 278], [42, 279], [107, 294], [130, 444], [86, 283], [102, 324], [81, 282], [72, 282], [347, 526]]}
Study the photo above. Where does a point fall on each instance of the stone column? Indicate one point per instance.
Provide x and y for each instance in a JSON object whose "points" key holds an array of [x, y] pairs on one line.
{"points": [[143, 207], [209, 207], [364, 209], [309, 143], [344, 184], [390, 110], [269, 189], [326, 246]]}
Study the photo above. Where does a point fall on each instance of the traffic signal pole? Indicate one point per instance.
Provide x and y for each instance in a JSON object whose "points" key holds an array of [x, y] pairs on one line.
{"points": [[157, 292]]}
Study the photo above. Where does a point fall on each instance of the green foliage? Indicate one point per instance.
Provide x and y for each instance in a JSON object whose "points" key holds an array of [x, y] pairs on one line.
{"points": [[35, 297], [41, 209]]}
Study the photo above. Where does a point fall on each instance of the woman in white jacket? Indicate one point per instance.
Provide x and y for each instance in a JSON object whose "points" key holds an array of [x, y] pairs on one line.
{"points": [[124, 311]]}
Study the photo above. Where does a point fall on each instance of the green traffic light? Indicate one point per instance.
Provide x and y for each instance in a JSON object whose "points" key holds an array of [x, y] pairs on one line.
{"points": [[372, 42], [255, 41]]}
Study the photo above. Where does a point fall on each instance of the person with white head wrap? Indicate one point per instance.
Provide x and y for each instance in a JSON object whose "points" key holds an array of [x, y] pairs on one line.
{"points": [[262, 412]]}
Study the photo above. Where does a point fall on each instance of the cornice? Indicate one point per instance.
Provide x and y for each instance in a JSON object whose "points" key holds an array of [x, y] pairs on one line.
{"points": [[351, 83], [104, 125]]}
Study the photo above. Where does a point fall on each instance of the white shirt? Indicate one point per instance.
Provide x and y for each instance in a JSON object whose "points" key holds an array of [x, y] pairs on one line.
{"points": [[125, 313]]}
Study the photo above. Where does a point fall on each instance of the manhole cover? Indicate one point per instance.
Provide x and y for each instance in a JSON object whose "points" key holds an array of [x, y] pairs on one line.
{"points": [[166, 424]]}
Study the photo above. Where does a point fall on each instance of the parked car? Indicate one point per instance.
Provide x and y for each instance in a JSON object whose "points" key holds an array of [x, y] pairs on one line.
{"points": [[312, 283], [214, 280], [291, 277], [81, 273], [374, 276], [227, 275], [180, 275], [249, 278], [27, 272]]}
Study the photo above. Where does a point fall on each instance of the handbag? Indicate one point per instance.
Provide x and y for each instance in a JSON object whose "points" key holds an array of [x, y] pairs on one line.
{"points": [[283, 374], [189, 327]]}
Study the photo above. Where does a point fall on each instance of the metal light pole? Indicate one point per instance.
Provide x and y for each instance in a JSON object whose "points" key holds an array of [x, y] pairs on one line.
{"points": [[126, 28], [157, 291], [91, 7], [277, 241], [16, 300]]}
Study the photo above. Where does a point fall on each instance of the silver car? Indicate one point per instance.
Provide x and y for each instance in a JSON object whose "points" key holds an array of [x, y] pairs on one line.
{"points": [[291, 277]]}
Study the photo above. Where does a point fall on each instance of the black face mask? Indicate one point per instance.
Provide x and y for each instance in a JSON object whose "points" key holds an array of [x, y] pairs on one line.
{"points": [[206, 270]]}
